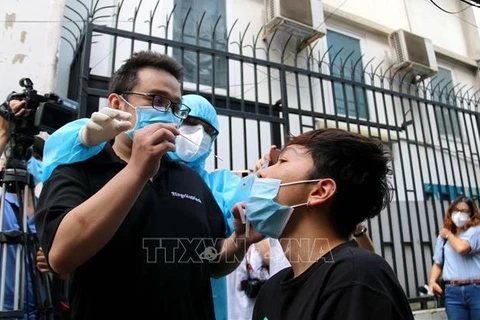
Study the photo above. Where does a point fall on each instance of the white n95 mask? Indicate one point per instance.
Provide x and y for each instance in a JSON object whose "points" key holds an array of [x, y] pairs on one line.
{"points": [[192, 143], [460, 218]]}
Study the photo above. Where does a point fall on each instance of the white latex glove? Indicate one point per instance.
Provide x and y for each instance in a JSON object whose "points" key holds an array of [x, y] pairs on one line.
{"points": [[104, 125]]}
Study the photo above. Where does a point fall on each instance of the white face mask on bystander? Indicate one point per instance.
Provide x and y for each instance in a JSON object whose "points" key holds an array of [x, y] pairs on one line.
{"points": [[460, 218]]}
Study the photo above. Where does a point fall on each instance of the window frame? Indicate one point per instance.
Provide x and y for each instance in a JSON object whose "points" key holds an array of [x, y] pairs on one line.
{"points": [[447, 136], [191, 84], [362, 44]]}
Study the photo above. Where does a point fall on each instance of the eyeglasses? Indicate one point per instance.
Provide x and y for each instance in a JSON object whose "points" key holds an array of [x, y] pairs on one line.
{"points": [[467, 211], [209, 129], [162, 103]]}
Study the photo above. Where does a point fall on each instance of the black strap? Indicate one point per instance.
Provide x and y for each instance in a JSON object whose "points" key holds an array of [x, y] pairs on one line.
{"points": [[443, 249], [247, 263]]}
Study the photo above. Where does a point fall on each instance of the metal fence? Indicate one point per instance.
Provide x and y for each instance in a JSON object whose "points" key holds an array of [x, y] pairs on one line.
{"points": [[265, 90]]}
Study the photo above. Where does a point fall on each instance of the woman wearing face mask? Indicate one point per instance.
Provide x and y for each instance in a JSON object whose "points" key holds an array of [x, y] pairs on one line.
{"points": [[457, 260]]}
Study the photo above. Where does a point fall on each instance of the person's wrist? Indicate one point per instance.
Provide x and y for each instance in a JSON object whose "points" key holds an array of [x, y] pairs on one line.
{"points": [[448, 235], [360, 233], [136, 174], [82, 137]]}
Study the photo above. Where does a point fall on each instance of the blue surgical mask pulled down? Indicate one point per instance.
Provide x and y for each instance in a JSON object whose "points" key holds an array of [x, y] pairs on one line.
{"points": [[146, 115], [34, 167], [266, 215]]}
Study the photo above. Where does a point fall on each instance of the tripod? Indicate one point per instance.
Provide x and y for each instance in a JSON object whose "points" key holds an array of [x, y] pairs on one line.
{"points": [[18, 248]]}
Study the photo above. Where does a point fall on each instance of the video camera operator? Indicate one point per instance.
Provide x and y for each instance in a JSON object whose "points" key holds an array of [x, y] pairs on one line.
{"points": [[11, 221]]}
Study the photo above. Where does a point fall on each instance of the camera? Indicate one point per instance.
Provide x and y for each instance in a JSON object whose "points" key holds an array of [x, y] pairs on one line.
{"points": [[252, 287], [42, 113]]}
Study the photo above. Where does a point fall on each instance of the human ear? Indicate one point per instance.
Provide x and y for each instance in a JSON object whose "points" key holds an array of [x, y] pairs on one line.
{"points": [[322, 193], [115, 101]]}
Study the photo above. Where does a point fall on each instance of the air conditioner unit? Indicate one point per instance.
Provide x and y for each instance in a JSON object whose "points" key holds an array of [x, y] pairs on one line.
{"points": [[295, 18], [413, 54]]}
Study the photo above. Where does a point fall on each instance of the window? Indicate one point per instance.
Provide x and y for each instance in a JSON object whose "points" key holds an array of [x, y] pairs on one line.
{"points": [[199, 67], [447, 120], [346, 96]]}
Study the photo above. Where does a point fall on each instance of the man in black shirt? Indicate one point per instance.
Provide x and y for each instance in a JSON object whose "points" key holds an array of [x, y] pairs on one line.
{"points": [[324, 183], [134, 227]]}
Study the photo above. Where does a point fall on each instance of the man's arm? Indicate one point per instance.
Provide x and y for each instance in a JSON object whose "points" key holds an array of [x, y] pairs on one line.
{"points": [[88, 227], [363, 240], [233, 249]]}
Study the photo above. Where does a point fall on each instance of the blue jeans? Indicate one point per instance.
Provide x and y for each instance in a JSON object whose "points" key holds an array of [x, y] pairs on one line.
{"points": [[462, 302]]}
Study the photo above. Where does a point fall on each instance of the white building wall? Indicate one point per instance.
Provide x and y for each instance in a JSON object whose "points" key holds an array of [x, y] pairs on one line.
{"points": [[29, 37], [417, 16]]}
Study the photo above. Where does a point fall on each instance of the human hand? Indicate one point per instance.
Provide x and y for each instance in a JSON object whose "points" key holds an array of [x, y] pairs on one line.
{"points": [[104, 125], [240, 225], [18, 109], [266, 158], [434, 287], [42, 264], [149, 145], [444, 233]]}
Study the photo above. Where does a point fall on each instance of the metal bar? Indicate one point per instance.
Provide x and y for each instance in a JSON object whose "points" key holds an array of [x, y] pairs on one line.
{"points": [[299, 100], [150, 23], [255, 81], [444, 165], [404, 180], [310, 95], [85, 70], [115, 37], [389, 211], [397, 202], [284, 98], [327, 116], [454, 142], [474, 183], [474, 142], [415, 197], [428, 168]]}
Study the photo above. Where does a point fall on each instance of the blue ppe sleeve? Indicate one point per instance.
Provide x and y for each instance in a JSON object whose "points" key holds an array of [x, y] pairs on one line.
{"points": [[223, 184], [64, 147]]}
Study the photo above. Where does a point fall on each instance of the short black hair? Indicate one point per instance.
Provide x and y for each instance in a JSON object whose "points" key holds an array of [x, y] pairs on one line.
{"points": [[360, 168], [125, 79]]}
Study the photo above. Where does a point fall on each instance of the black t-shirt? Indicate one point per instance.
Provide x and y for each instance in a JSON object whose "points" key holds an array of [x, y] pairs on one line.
{"points": [[153, 267], [347, 283]]}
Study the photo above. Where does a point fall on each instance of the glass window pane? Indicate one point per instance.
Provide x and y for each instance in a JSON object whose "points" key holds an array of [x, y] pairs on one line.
{"points": [[345, 54], [447, 120], [201, 68]]}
